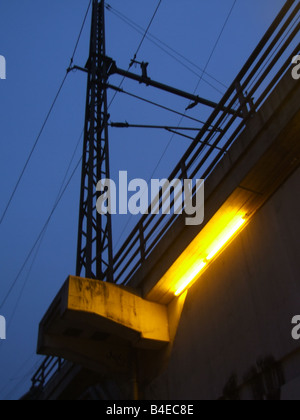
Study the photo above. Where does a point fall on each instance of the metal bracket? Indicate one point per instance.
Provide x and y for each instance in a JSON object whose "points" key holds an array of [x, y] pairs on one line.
{"points": [[246, 103]]}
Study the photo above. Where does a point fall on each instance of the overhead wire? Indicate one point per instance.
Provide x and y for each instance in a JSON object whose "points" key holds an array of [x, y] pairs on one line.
{"points": [[213, 52], [182, 115], [38, 247], [147, 30], [156, 41], [74, 171], [44, 231], [216, 43], [205, 69], [272, 55], [201, 78], [60, 195], [137, 51], [62, 191], [32, 151], [156, 127], [39, 236], [17, 371], [121, 90], [181, 119], [22, 380], [35, 144], [80, 33]]}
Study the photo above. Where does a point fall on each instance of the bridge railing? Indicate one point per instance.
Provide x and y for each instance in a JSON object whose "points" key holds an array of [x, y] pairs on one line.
{"points": [[267, 65], [48, 368]]}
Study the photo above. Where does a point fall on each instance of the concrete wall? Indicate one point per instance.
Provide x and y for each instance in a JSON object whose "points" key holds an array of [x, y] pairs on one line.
{"points": [[234, 337]]}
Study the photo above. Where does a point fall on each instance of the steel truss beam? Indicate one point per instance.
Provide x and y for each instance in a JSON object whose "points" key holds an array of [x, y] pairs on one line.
{"points": [[95, 251]]}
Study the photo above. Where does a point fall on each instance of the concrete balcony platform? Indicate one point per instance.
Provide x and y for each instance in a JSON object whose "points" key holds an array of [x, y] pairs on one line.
{"points": [[98, 324]]}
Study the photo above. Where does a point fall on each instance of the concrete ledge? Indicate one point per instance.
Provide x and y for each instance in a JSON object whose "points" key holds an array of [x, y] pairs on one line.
{"points": [[93, 319]]}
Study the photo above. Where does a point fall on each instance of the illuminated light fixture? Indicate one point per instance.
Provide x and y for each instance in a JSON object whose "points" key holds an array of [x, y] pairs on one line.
{"points": [[213, 250], [225, 237], [190, 277]]}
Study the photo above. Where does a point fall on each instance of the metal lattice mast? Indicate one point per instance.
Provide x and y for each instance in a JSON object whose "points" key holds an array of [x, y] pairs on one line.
{"points": [[94, 252]]}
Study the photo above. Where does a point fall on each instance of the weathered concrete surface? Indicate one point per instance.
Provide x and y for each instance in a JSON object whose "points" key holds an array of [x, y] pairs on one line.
{"points": [[88, 311], [265, 155], [235, 330], [240, 311], [121, 307]]}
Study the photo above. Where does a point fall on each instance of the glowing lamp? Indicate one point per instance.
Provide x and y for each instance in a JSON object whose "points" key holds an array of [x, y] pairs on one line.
{"points": [[217, 245]]}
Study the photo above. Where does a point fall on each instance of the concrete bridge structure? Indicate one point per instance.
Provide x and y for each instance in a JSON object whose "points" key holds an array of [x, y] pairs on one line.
{"points": [[207, 313]]}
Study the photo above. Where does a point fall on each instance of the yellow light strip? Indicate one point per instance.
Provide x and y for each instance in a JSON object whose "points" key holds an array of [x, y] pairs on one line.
{"points": [[225, 237], [190, 276], [218, 245]]}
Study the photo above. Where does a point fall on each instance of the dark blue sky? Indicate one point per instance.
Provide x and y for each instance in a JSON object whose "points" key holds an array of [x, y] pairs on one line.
{"points": [[37, 39]]}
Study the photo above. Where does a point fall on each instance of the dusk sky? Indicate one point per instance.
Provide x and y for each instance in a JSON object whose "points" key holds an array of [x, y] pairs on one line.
{"points": [[37, 40]]}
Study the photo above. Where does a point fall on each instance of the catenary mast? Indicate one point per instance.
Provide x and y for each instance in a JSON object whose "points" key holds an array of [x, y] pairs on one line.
{"points": [[95, 252]]}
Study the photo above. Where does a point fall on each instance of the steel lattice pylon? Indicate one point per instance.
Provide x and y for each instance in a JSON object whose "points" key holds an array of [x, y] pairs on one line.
{"points": [[95, 252]]}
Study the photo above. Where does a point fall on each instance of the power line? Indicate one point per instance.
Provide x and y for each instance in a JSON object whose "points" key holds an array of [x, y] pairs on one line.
{"points": [[262, 69], [80, 33], [17, 371], [39, 236], [156, 41], [137, 51], [192, 138], [147, 30], [121, 90], [182, 117], [22, 380], [216, 43], [44, 231], [44, 123], [32, 150], [206, 66], [38, 247], [157, 127]]}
